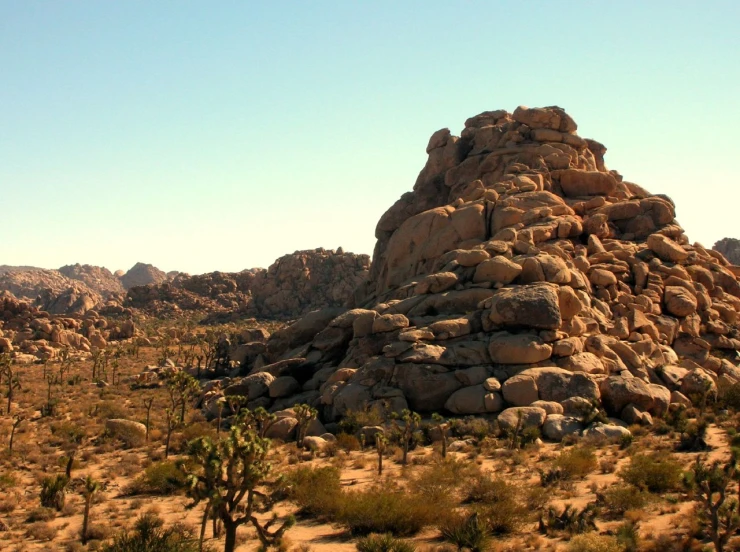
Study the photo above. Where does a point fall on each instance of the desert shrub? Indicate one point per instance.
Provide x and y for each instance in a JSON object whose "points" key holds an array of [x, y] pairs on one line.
{"points": [[617, 499], [466, 532], [67, 432], [149, 535], [98, 532], [576, 463], [354, 420], [497, 504], [189, 432], [41, 514], [109, 410], [41, 531], [161, 478], [570, 520], [384, 510], [656, 473], [317, 491], [693, 439], [730, 397], [348, 442], [384, 543], [470, 426], [628, 536], [7, 481], [440, 481], [53, 492], [592, 542]]}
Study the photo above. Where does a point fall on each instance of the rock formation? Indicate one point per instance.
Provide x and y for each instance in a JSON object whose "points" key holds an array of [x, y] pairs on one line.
{"points": [[292, 286], [142, 274], [520, 273], [29, 334], [730, 248]]}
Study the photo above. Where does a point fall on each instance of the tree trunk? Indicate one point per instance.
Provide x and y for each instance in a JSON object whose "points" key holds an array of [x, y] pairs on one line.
{"points": [[167, 443], [444, 445], [405, 452], [203, 524], [230, 543], [380, 464], [85, 519]]}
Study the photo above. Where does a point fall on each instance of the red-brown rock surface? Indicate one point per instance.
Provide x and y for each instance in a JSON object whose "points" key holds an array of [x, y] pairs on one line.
{"points": [[292, 286], [518, 253]]}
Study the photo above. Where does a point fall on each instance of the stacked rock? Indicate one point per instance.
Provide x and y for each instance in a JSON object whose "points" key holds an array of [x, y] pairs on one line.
{"points": [[520, 273]]}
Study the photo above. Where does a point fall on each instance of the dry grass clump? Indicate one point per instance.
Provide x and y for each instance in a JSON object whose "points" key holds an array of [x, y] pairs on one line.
{"points": [[591, 542]]}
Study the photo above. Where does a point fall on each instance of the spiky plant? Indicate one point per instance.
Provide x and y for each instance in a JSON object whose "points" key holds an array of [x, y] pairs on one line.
{"points": [[304, 414], [411, 422], [231, 476], [89, 488]]}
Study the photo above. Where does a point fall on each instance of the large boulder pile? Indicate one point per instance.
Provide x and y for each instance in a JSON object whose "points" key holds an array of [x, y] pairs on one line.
{"points": [[730, 249], [293, 285], [30, 334], [520, 273]]}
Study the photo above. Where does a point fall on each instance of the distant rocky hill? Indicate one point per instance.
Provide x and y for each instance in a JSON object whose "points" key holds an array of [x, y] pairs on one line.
{"points": [[292, 286], [730, 248], [142, 274], [74, 289]]}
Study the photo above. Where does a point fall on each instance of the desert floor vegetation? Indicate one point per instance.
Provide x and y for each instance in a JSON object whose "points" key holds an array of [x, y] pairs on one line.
{"points": [[72, 483]]}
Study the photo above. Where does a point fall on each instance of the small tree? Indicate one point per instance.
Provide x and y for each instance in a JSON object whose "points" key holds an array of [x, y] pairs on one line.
{"points": [[182, 388], [171, 425], [258, 420], [17, 420], [710, 485], [148, 403], [229, 471], [90, 487], [381, 443], [442, 426], [305, 415], [11, 378], [411, 422]]}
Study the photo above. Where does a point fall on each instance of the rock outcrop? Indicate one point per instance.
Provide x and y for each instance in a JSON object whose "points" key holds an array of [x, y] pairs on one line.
{"points": [[142, 274], [519, 270], [730, 248], [30, 334], [292, 286]]}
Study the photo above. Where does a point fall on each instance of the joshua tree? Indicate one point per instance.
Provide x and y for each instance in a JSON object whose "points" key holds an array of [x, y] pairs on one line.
{"points": [[171, 425], [381, 443], [90, 487], [182, 388], [229, 471], [442, 426], [258, 420], [17, 420], [11, 378], [304, 414], [411, 422], [710, 485]]}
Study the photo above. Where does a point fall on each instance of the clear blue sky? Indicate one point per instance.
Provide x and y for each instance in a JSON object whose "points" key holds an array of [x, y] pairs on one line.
{"points": [[204, 135]]}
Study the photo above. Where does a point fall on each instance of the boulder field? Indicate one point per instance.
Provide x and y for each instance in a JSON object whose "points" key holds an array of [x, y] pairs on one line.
{"points": [[520, 277]]}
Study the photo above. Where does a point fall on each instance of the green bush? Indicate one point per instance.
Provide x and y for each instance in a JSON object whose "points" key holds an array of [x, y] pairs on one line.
{"points": [[384, 543], [619, 498], [466, 532], [656, 473], [317, 491], [149, 535], [440, 481], [498, 504], [576, 463], [381, 510], [592, 542], [53, 492], [160, 478]]}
